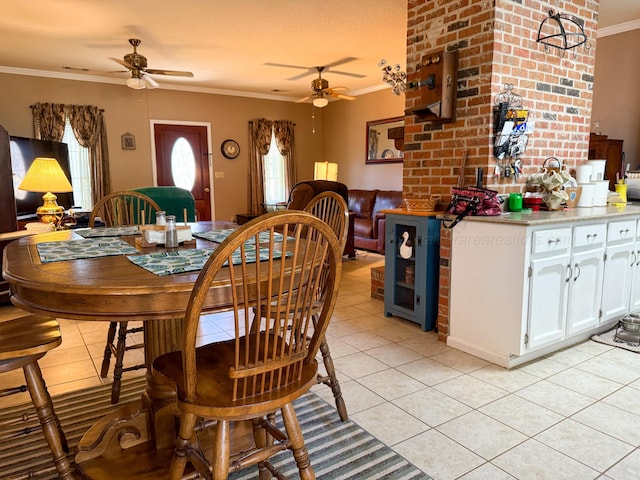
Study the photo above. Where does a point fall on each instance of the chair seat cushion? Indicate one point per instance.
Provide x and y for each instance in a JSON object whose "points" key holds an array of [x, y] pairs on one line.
{"points": [[215, 387]]}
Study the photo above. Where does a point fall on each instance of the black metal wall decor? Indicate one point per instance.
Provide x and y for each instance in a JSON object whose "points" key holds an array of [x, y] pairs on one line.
{"points": [[561, 31]]}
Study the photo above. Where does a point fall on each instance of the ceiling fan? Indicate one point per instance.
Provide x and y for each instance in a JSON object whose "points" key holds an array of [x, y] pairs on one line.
{"points": [[137, 65], [326, 68], [320, 91]]}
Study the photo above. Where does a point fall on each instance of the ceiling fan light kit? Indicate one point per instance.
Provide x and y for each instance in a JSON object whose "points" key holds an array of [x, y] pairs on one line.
{"points": [[320, 102], [136, 83]]}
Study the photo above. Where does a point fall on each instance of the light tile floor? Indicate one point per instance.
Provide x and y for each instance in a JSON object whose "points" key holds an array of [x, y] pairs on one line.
{"points": [[572, 415]]}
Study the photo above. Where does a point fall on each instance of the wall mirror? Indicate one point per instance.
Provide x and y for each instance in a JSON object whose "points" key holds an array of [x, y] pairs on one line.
{"points": [[385, 140]]}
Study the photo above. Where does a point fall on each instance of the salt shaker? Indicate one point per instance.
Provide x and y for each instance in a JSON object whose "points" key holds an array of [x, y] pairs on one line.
{"points": [[171, 234], [161, 218]]}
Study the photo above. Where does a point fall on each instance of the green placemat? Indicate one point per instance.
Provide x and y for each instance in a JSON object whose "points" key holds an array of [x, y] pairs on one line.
{"points": [[87, 248], [219, 236], [107, 231], [182, 261]]}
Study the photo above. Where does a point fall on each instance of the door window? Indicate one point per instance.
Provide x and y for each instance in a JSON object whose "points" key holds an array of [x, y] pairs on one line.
{"points": [[183, 164]]}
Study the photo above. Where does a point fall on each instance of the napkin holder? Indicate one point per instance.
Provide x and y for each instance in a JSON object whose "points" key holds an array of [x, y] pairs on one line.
{"points": [[153, 235]]}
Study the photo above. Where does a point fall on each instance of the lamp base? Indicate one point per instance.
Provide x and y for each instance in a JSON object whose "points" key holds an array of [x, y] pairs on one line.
{"points": [[50, 211]]}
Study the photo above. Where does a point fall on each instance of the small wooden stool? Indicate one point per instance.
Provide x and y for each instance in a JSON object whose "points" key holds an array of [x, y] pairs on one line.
{"points": [[23, 341]]}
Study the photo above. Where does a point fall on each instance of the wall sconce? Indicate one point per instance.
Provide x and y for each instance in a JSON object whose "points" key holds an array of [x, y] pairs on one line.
{"points": [[561, 31], [45, 175], [325, 171], [393, 76]]}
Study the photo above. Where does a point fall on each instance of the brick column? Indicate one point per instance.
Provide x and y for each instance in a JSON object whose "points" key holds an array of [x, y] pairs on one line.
{"points": [[496, 44]]}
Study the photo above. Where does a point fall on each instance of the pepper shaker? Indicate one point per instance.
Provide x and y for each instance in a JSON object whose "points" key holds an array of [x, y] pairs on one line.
{"points": [[171, 234]]}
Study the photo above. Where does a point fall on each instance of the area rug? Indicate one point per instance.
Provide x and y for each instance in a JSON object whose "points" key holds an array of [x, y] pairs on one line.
{"points": [[338, 450], [623, 339]]}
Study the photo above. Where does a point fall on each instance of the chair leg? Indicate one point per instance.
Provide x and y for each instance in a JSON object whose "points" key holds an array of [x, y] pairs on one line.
{"points": [[296, 442], [179, 460], [221, 451], [262, 439], [50, 425], [331, 380], [111, 335], [119, 361]]}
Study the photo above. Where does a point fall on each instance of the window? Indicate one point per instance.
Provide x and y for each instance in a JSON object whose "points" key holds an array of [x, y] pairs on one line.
{"points": [[79, 167], [183, 164], [275, 176]]}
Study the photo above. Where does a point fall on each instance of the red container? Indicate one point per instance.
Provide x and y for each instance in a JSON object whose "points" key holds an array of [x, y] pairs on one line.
{"points": [[532, 202]]}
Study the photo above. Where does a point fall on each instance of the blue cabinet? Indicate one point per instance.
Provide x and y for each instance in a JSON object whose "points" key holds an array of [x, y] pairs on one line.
{"points": [[412, 257]]}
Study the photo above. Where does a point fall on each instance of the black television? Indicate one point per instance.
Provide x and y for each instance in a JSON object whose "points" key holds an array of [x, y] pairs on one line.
{"points": [[23, 152]]}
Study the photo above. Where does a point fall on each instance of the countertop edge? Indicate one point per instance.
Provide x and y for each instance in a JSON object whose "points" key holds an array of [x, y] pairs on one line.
{"points": [[550, 217]]}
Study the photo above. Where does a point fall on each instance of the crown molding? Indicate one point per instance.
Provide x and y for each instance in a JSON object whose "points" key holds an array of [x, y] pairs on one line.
{"points": [[619, 28]]}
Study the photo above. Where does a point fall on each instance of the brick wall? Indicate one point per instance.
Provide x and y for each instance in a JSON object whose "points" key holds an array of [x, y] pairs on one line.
{"points": [[496, 45]]}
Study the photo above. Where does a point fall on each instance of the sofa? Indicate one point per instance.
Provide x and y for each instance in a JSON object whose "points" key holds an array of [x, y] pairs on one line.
{"points": [[303, 192], [369, 222]]}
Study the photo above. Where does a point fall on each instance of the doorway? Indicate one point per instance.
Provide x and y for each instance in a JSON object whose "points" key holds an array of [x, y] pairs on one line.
{"points": [[182, 159]]}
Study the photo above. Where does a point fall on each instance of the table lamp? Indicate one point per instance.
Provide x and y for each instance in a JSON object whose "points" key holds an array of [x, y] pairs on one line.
{"points": [[325, 171], [45, 175]]}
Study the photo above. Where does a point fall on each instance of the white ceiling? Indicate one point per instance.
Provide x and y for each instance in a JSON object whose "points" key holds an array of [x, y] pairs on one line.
{"points": [[225, 43]]}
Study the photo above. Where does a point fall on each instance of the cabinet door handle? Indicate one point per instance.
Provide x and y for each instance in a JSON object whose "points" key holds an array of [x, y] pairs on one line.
{"points": [[570, 271], [577, 270], [635, 258], [623, 233], [553, 240], [592, 235]]}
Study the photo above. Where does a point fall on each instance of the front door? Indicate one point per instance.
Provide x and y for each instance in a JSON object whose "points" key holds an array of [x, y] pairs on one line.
{"points": [[182, 160]]}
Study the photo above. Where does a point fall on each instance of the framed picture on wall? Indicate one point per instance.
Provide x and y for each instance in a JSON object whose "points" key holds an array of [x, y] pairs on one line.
{"points": [[128, 141]]}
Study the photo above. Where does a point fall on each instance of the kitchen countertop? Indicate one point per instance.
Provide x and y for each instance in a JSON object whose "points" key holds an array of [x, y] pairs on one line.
{"points": [[560, 216]]}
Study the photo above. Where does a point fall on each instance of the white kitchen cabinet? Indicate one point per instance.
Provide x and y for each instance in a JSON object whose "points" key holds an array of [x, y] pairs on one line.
{"points": [[586, 278], [619, 260], [634, 296], [548, 290], [548, 286], [521, 289]]}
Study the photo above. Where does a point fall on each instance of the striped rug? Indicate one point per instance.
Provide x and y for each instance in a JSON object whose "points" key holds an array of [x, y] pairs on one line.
{"points": [[338, 450]]}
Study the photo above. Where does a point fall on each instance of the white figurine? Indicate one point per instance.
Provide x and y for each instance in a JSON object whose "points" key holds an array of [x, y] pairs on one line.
{"points": [[406, 247]]}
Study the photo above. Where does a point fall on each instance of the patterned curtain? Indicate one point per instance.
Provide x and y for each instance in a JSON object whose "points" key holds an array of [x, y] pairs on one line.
{"points": [[48, 120], [283, 130], [87, 123], [260, 132], [259, 141]]}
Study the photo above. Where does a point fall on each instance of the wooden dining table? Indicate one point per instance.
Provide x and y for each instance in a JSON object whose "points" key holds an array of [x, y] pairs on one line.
{"points": [[113, 288]]}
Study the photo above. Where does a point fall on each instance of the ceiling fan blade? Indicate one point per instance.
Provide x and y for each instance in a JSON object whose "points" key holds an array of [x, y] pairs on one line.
{"points": [[150, 81], [342, 61], [349, 74], [284, 65], [173, 73], [342, 96], [303, 100], [311, 71], [123, 63]]}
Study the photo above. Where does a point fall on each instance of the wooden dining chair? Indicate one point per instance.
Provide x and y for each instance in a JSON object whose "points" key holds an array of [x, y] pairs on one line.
{"points": [[120, 209], [259, 372], [331, 208], [124, 208], [24, 341]]}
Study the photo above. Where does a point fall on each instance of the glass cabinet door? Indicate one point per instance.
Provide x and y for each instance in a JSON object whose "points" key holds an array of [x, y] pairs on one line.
{"points": [[405, 266]]}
